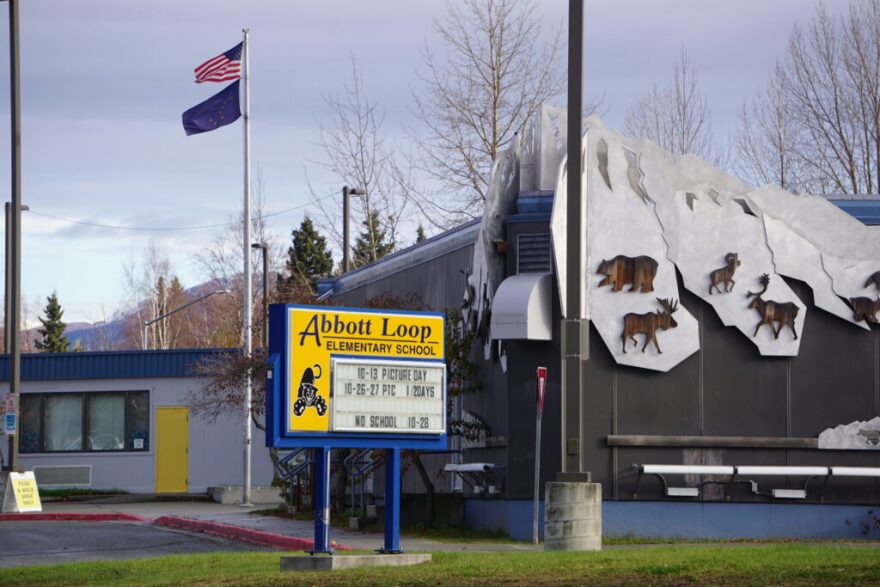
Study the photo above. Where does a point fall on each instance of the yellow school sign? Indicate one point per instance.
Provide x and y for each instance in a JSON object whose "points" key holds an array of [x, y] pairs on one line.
{"points": [[318, 335], [21, 493]]}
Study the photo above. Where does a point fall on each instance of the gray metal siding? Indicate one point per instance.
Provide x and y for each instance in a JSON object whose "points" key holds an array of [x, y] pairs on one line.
{"points": [[439, 282]]}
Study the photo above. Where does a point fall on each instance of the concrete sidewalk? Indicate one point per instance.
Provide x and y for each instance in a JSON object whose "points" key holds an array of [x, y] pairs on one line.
{"points": [[238, 516]]}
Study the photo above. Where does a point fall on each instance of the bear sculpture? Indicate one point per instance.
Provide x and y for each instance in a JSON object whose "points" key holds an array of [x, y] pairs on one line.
{"points": [[638, 271]]}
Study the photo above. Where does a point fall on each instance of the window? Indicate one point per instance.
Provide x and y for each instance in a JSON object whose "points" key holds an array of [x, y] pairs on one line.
{"points": [[55, 422], [62, 422], [107, 422]]}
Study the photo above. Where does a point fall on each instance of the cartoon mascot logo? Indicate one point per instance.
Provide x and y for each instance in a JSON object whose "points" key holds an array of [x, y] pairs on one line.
{"points": [[307, 395]]}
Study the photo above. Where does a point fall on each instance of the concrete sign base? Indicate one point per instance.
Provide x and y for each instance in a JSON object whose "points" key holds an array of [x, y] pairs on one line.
{"points": [[336, 562], [572, 516]]}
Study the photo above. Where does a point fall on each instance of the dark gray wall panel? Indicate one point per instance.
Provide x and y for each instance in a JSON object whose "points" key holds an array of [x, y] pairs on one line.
{"points": [[598, 413], [832, 378], [839, 489], [743, 392]]}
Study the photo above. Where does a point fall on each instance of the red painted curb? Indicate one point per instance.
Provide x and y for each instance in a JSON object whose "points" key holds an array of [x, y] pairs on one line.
{"points": [[238, 533], [70, 517]]}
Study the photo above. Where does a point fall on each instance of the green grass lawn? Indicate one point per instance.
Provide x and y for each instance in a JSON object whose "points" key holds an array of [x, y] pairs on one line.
{"points": [[786, 564]]}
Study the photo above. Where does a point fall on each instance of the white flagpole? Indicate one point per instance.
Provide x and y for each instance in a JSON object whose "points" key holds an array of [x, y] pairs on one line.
{"points": [[248, 286]]}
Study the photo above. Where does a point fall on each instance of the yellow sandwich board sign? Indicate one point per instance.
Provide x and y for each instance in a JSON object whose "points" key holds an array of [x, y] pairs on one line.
{"points": [[352, 372], [21, 493]]}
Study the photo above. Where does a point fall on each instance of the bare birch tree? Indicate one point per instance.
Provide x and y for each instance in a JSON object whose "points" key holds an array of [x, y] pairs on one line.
{"points": [[357, 153], [676, 116], [147, 282], [832, 76], [829, 84], [495, 72], [768, 139], [218, 323]]}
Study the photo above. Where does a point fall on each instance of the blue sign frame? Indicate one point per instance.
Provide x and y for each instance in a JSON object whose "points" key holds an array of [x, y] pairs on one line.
{"points": [[279, 436], [277, 433]]}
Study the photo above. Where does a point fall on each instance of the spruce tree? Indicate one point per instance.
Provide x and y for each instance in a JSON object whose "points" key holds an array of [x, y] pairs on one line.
{"points": [[420, 234], [308, 257], [371, 244], [52, 332]]}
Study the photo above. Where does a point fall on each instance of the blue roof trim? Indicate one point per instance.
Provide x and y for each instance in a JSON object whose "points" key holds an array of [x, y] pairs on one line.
{"points": [[867, 211], [533, 202], [529, 217], [109, 364]]}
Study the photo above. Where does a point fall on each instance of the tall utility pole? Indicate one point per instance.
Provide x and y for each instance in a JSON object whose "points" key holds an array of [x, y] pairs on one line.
{"points": [[574, 330], [14, 272]]}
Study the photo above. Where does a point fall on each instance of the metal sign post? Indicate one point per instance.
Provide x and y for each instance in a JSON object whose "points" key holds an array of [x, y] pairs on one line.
{"points": [[322, 501], [542, 386], [392, 502]]}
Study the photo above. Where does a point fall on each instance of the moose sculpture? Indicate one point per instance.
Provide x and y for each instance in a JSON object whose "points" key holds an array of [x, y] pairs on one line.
{"points": [[865, 309], [725, 274], [648, 324], [639, 271], [782, 313]]}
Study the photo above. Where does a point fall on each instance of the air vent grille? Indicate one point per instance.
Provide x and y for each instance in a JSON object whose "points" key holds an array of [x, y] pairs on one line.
{"points": [[64, 476], [533, 254]]}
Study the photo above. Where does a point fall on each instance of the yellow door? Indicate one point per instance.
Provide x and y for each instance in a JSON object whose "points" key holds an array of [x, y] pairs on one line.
{"points": [[172, 449]]}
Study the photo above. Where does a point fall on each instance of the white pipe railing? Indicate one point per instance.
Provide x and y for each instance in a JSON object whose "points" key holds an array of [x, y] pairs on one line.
{"points": [[759, 470]]}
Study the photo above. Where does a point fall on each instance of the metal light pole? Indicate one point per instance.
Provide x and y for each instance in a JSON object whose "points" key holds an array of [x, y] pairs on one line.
{"points": [[574, 330], [346, 192], [7, 312], [148, 323], [13, 272], [265, 249]]}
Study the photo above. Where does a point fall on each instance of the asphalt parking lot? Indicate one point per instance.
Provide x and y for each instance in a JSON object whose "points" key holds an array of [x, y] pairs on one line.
{"points": [[43, 543]]}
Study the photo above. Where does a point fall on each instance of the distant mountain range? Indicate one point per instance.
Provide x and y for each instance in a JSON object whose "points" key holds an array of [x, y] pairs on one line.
{"points": [[91, 336], [98, 336], [109, 335]]}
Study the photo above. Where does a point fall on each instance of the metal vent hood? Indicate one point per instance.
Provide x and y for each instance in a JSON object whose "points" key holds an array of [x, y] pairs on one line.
{"points": [[522, 308]]}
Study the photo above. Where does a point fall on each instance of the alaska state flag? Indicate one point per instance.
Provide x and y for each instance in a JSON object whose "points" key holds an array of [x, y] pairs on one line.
{"points": [[219, 110]]}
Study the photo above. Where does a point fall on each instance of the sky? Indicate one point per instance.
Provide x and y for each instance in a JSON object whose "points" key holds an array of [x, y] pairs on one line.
{"points": [[104, 83]]}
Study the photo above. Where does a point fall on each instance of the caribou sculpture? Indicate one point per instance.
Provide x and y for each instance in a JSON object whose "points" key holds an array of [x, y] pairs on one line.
{"points": [[648, 324], [782, 313]]}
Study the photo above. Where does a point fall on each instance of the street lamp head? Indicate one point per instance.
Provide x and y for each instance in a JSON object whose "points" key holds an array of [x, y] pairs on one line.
{"points": [[259, 246], [347, 191]]}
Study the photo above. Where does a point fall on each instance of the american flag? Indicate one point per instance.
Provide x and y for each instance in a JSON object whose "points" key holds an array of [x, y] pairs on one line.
{"points": [[224, 67]]}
